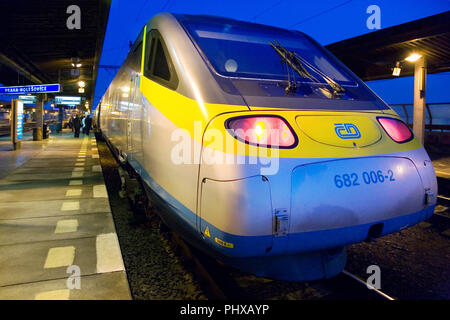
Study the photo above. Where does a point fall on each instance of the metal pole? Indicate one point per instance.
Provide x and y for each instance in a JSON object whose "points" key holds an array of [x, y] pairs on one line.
{"points": [[420, 75], [39, 114], [60, 118]]}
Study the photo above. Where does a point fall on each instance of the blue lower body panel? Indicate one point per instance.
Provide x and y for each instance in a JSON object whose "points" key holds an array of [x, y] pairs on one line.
{"points": [[316, 260], [306, 266]]}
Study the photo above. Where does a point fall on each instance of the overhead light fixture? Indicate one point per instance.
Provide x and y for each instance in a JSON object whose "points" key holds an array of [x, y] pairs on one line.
{"points": [[78, 65], [413, 57], [81, 84], [397, 69]]}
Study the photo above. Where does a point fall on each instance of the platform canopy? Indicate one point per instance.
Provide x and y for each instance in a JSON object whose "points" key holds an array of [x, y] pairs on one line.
{"points": [[37, 47], [372, 56]]}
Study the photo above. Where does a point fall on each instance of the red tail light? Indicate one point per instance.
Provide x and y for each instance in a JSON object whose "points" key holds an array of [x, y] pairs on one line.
{"points": [[263, 131], [396, 129]]}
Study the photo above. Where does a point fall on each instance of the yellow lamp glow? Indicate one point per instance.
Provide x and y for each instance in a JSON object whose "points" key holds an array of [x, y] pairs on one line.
{"points": [[259, 129], [413, 57]]}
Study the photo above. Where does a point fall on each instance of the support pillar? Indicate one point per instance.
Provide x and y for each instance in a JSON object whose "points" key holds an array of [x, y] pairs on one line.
{"points": [[39, 114], [61, 116], [420, 76]]}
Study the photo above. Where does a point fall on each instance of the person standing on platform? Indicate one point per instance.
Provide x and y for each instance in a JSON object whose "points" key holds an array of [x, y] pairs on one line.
{"points": [[82, 124], [71, 122], [76, 126], [87, 124]]}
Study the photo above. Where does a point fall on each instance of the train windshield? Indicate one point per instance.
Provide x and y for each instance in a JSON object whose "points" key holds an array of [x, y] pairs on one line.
{"points": [[241, 50]]}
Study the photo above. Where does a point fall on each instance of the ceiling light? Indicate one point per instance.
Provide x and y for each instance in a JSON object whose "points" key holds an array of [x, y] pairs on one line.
{"points": [[81, 84], [413, 57]]}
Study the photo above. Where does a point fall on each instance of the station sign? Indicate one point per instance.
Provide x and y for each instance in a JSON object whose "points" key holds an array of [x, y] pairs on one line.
{"points": [[28, 99], [69, 101], [41, 88]]}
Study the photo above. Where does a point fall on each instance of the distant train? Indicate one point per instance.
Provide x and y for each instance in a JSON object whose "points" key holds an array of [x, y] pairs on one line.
{"points": [[260, 148]]}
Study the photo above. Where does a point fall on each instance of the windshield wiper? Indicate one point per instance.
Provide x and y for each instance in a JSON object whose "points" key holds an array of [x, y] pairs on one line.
{"points": [[298, 64]]}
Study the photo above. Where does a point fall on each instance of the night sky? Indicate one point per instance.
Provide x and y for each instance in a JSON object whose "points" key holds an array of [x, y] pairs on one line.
{"points": [[327, 21]]}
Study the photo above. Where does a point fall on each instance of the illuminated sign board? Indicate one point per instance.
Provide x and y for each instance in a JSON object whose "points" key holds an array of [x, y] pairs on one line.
{"points": [[28, 99], [16, 122], [70, 101], [41, 88], [19, 120]]}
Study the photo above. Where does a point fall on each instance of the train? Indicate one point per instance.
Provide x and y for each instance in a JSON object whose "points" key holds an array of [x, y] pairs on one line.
{"points": [[260, 148]]}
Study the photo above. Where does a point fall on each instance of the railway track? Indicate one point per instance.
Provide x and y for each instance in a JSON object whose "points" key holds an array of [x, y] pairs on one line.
{"points": [[221, 282], [369, 287]]}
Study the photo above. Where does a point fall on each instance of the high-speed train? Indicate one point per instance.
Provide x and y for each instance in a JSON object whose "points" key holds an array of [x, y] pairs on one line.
{"points": [[260, 148]]}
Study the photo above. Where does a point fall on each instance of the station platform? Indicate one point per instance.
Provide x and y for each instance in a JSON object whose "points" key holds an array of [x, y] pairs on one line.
{"points": [[57, 234], [441, 164], [11, 159]]}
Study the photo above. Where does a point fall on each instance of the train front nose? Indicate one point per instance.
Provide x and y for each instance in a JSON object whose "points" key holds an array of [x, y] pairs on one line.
{"points": [[340, 202], [350, 199]]}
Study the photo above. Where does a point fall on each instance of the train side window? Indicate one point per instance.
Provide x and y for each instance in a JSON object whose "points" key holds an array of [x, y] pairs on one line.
{"points": [[158, 65], [149, 55], [135, 60], [161, 67]]}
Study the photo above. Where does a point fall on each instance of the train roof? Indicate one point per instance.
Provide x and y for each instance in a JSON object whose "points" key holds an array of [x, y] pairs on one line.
{"points": [[191, 18]]}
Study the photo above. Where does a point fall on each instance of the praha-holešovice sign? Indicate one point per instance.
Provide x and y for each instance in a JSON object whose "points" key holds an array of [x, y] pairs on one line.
{"points": [[41, 88]]}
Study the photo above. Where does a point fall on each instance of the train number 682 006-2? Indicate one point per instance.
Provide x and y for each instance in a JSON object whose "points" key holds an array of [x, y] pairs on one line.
{"points": [[368, 177]]}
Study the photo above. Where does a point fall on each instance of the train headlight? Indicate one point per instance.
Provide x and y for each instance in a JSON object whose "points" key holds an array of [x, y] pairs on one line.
{"points": [[396, 129], [260, 129], [263, 131]]}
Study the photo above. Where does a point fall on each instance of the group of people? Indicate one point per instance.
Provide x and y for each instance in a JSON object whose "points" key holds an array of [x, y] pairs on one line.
{"points": [[83, 123]]}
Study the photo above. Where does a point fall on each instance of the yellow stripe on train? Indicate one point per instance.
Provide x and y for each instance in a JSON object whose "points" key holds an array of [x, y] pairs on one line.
{"points": [[315, 129]]}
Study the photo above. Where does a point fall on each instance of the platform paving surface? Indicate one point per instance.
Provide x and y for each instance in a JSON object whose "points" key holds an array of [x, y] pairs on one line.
{"points": [[57, 235], [441, 165]]}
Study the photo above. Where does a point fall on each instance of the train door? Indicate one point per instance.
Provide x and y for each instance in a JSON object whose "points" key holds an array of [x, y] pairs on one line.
{"points": [[130, 99], [135, 120], [129, 119], [134, 140]]}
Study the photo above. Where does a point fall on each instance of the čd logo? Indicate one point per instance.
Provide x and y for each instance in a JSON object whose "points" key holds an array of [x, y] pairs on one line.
{"points": [[347, 131]]}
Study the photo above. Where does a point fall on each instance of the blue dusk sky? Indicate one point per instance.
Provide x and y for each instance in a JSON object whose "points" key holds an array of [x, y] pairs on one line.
{"points": [[327, 21]]}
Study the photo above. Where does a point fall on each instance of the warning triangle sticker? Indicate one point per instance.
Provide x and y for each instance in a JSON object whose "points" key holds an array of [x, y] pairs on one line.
{"points": [[207, 232]]}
